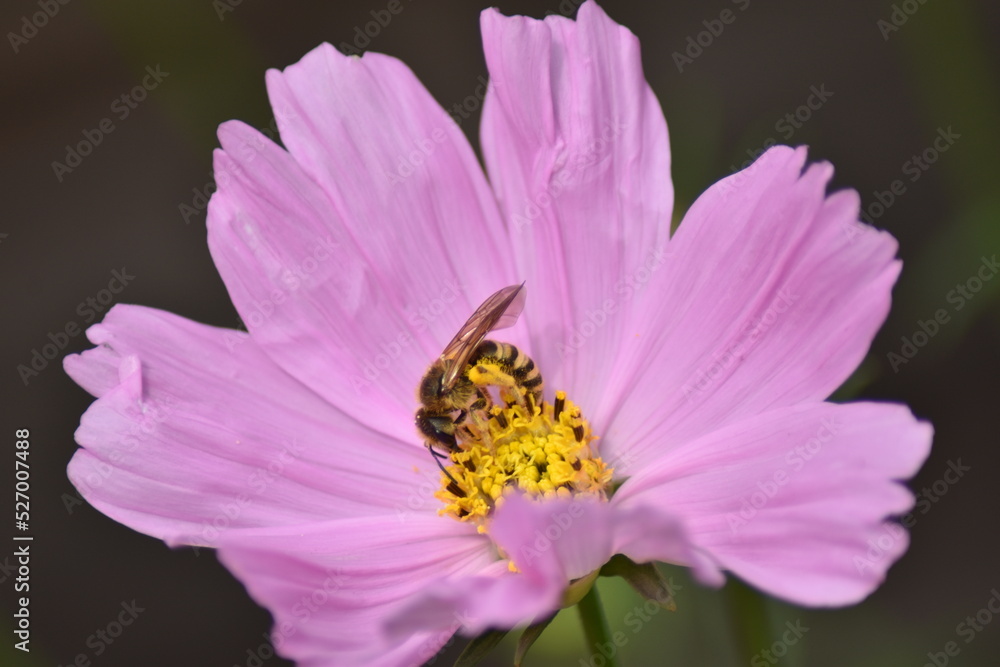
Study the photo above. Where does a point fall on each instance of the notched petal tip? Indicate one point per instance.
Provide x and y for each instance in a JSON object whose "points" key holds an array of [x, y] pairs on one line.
{"points": [[796, 501]]}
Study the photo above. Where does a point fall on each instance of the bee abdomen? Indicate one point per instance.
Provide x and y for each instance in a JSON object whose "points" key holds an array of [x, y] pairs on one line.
{"points": [[519, 365], [522, 368], [487, 348]]}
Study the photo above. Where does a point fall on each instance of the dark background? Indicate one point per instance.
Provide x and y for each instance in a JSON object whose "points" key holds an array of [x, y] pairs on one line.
{"points": [[122, 207]]}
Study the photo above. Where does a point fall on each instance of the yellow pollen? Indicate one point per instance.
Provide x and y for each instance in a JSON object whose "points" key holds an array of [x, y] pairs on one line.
{"points": [[527, 449]]}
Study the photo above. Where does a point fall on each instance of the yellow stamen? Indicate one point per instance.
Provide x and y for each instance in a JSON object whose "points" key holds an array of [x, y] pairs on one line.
{"points": [[543, 451]]}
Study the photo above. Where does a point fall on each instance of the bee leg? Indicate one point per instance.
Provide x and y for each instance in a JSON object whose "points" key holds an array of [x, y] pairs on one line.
{"points": [[513, 393], [438, 457], [492, 374], [522, 397], [472, 422], [479, 414], [463, 428], [478, 426]]}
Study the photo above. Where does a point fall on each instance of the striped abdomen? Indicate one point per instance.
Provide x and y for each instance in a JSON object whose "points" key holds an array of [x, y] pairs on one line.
{"points": [[513, 362]]}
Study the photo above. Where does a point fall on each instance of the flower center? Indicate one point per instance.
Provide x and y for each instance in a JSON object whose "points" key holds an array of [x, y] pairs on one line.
{"points": [[542, 451]]}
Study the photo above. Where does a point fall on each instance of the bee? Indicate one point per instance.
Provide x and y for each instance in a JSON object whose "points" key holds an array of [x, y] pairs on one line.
{"points": [[454, 405]]}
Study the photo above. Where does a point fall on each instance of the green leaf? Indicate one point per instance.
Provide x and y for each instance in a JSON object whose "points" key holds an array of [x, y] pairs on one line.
{"points": [[528, 637], [645, 579], [480, 647]]}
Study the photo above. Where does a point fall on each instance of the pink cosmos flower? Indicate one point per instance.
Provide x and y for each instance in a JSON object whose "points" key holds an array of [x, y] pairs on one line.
{"points": [[701, 361]]}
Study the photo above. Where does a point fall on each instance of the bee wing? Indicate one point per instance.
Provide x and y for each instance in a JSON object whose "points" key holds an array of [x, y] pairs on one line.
{"points": [[498, 312]]}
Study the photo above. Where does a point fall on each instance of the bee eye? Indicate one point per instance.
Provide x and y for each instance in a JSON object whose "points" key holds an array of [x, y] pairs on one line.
{"points": [[442, 424]]}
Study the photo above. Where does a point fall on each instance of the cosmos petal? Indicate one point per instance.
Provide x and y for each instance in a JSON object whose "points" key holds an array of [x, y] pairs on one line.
{"points": [[648, 533], [792, 500], [98, 370], [772, 297], [493, 599], [552, 543], [331, 585], [203, 433], [348, 255], [576, 148]]}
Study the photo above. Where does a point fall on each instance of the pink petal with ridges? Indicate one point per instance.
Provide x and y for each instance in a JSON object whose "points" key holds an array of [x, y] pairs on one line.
{"points": [[293, 273], [577, 543], [648, 533], [772, 299], [413, 249], [204, 433], [576, 147], [97, 370], [551, 543], [332, 585], [790, 499]]}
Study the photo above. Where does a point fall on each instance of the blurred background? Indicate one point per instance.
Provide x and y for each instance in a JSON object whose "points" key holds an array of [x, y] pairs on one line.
{"points": [[901, 97]]}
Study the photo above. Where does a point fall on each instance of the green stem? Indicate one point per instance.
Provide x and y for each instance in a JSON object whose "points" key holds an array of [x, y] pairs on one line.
{"points": [[749, 617], [595, 628]]}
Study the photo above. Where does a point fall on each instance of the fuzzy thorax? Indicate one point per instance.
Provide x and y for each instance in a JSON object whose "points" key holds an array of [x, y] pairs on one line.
{"points": [[541, 451]]}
